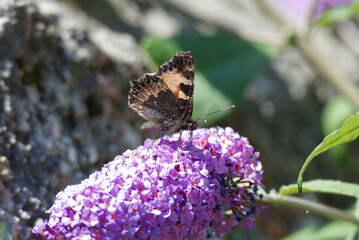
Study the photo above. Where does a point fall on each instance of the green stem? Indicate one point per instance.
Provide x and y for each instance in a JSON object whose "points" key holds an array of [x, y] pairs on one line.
{"points": [[311, 206]]}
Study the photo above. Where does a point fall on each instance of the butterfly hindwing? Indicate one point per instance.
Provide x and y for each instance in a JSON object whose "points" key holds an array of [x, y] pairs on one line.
{"points": [[152, 99]]}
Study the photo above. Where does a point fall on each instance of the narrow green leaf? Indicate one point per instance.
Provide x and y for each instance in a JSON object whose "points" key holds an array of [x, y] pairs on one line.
{"points": [[335, 112], [333, 115], [346, 133], [324, 186]]}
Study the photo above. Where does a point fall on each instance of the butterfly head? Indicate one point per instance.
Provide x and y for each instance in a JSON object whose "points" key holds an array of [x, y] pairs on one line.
{"points": [[189, 125]]}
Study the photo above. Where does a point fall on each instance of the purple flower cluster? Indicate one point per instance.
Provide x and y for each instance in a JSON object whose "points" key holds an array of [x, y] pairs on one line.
{"points": [[204, 186]]}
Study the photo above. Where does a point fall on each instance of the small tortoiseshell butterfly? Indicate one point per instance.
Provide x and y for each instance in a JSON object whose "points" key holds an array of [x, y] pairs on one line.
{"points": [[165, 98]]}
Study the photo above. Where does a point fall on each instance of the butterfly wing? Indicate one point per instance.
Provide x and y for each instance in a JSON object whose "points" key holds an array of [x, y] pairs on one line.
{"points": [[154, 101], [178, 74], [165, 98]]}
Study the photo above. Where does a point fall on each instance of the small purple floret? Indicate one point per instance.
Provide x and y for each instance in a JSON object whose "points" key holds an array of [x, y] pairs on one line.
{"points": [[161, 191]]}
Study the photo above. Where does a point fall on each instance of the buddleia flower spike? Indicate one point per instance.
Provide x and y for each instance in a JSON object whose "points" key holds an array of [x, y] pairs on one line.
{"points": [[201, 188]]}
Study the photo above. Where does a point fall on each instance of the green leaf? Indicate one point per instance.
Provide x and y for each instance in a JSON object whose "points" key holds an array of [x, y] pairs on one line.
{"points": [[204, 104], [333, 115], [346, 133], [225, 65], [338, 14], [324, 186], [331, 231], [335, 112]]}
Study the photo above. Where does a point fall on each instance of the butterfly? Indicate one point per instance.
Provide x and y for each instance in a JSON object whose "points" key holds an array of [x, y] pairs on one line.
{"points": [[165, 98]]}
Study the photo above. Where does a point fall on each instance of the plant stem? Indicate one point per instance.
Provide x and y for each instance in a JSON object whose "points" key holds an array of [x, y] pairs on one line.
{"points": [[311, 206]]}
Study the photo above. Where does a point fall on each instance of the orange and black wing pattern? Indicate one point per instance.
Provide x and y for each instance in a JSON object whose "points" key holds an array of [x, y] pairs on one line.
{"points": [[165, 98]]}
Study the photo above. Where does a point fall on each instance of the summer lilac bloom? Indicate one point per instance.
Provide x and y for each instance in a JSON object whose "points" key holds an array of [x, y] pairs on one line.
{"points": [[161, 191]]}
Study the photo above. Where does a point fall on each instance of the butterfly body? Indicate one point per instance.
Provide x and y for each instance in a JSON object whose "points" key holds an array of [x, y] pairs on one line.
{"points": [[165, 98]]}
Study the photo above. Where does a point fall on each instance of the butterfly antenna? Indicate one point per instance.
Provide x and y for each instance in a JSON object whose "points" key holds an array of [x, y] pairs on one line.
{"points": [[224, 109]]}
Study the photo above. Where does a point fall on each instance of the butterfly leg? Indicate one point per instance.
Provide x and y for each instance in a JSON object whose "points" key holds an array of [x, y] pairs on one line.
{"points": [[179, 139], [158, 132], [190, 137], [164, 132], [155, 138]]}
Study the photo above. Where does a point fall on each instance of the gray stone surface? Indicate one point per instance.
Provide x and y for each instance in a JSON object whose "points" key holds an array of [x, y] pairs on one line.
{"points": [[63, 113]]}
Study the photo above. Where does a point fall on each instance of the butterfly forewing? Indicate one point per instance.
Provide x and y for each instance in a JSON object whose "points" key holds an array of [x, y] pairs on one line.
{"points": [[165, 98]]}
